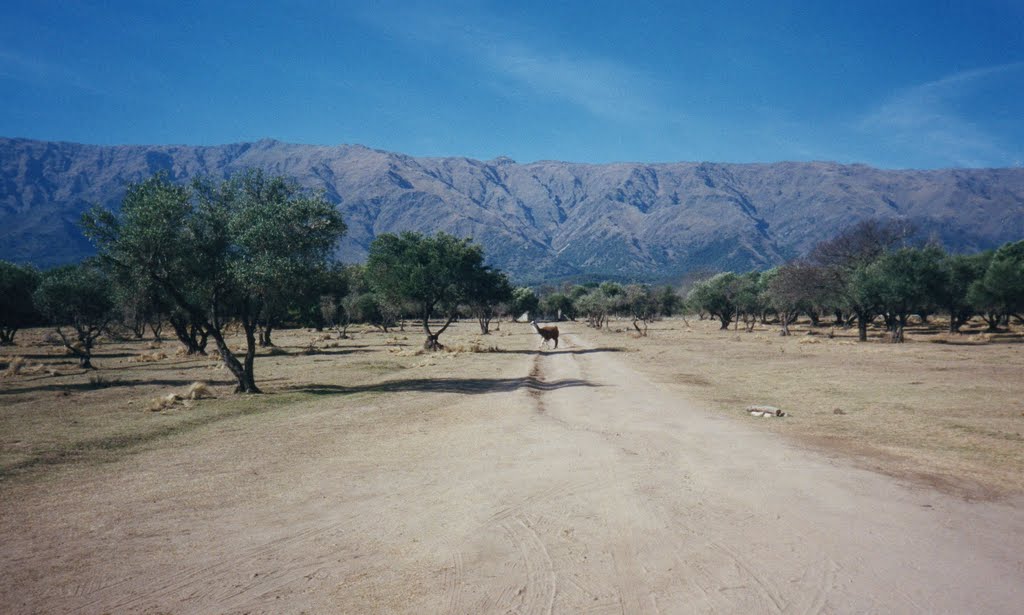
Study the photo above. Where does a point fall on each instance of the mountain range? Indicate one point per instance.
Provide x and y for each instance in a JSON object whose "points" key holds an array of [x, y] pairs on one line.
{"points": [[540, 221]]}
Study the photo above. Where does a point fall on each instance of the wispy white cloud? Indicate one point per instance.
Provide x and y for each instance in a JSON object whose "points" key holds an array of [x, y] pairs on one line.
{"points": [[927, 119], [37, 72], [606, 88]]}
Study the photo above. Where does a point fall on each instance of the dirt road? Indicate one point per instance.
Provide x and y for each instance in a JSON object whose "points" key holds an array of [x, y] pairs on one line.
{"points": [[579, 486]]}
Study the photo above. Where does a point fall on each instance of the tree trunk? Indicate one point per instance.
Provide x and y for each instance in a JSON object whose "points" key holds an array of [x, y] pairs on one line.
{"points": [[726, 320], [156, 326], [784, 319], [231, 362], [992, 320], [862, 328], [485, 325], [250, 357], [899, 323], [264, 335], [7, 335], [192, 336]]}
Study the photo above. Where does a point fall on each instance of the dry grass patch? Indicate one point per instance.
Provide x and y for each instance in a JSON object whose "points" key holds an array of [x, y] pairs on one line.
{"points": [[943, 409], [79, 415]]}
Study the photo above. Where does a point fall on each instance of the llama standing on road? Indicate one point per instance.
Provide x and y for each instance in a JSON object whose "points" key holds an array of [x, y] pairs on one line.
{"points": [[548, 333]]}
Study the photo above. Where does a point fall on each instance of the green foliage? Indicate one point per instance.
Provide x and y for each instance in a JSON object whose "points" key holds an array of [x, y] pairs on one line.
{"points": [[488, 290], [669, 301], [558, 304], [640, 304], [433, 273], [899, 284], [1000, 291], [960, 272], [524, 301], [716, 296], [221, 251], [17, 309], [79, 297]]}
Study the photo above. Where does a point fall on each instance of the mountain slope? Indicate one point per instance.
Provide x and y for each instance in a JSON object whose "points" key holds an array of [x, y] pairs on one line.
{"points": [[541, 220]]}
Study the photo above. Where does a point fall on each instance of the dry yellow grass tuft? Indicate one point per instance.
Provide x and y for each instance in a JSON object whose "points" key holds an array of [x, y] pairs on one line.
{"points": [[14, 367], [149, 357], [164, 402], [199, 390], [474, 346], [20, 366]]}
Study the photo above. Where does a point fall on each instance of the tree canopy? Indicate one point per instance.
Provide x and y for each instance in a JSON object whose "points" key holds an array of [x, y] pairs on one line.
{"points": [[221, 250], [434, 273], [17, 310]]}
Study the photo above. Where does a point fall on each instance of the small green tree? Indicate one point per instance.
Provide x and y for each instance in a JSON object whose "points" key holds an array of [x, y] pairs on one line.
{"points": [[524, 301], [79, 297], [669, 301], [433, 273], [487, 290], [558, 306], [641, 305], [716, 296], [960, 271], [1000, 292], [17, 310]]}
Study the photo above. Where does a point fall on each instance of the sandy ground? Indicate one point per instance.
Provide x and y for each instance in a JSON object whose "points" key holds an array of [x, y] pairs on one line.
{"points": [[558, 482]]}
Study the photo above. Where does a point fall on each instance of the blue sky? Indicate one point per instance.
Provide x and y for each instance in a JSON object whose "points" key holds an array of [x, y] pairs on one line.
{"points": [[892, 84]]}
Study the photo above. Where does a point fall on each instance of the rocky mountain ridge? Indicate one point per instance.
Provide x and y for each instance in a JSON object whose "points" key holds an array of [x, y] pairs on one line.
{"points": [[541, 220]]}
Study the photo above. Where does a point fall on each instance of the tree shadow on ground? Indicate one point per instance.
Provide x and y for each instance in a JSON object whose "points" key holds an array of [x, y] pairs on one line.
{"points": [[113, 383], [564, 351], [40, 356], [467, 386]]}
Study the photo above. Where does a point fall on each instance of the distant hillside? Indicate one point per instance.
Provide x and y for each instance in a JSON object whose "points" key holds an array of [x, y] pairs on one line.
{"points": [[541, 220]]}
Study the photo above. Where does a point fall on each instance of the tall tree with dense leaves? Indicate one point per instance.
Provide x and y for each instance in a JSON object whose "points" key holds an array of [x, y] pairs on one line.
{"points": [[435, 274], [79, 297], [960, 271], [17, 310], [220, 249], [488, 289], [901, 283], [1000, 291], [716, 296]]}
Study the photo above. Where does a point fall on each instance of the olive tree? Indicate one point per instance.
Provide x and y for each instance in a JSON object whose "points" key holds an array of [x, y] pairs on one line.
{"points": [[524, 301], [17, 310], [1000, 291], [901, 283], [221, 250], [960, 271], [716, 296], [435, 274], [487, 290], [79, 297], [641, 305]]}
